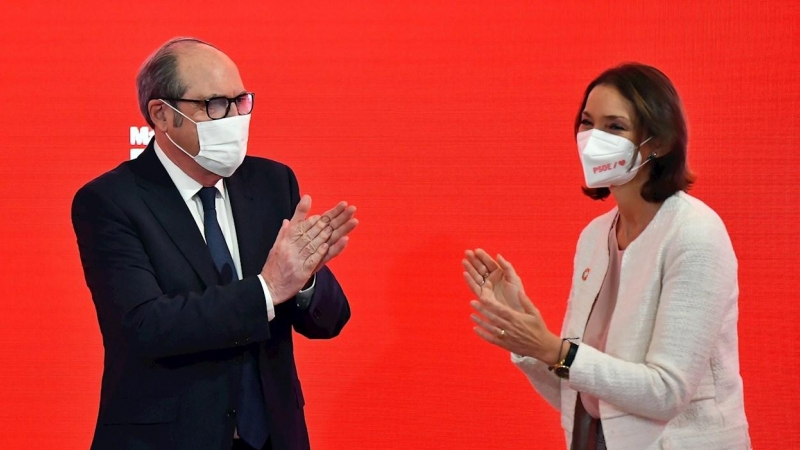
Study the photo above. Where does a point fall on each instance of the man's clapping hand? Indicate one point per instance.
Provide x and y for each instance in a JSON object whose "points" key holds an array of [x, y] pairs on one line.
{"points": [[305, 244]]}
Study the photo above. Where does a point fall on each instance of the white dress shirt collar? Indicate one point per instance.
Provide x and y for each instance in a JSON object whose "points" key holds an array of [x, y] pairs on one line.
{"points": [[187, 186]]}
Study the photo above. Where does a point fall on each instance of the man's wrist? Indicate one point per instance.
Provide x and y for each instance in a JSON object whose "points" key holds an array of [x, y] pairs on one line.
{"points": [[276, 296]]}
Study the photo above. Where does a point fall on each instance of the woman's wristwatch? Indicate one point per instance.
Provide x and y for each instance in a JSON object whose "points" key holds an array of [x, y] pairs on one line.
{"points": [[561, 369]]}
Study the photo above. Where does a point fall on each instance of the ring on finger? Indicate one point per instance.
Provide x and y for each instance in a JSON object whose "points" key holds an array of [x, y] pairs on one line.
{"points": [[502, 333]]}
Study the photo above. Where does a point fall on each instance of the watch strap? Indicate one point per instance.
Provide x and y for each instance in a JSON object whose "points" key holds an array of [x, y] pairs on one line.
{"points": [[573, 350]]}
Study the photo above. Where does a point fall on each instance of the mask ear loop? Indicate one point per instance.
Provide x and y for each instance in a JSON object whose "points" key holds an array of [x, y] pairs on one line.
{"points": [[181, 113], [636, 150]]}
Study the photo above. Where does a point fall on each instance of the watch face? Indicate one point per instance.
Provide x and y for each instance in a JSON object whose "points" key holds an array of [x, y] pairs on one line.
{"points": [[562, 372]]}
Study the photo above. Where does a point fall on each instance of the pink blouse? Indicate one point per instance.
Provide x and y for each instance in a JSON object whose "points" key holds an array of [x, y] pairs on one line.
{"points": [[597, 327]]}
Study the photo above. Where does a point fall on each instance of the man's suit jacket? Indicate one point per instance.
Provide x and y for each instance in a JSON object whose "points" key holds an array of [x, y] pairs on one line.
{"points": [[669, 376], [174, 339]]}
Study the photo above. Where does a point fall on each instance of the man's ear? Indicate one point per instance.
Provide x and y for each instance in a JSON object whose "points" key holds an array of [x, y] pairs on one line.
{"points": [[158, 114]]}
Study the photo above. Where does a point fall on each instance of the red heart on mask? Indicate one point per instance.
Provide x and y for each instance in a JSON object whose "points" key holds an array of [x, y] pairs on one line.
{"points": [[621, 162]]}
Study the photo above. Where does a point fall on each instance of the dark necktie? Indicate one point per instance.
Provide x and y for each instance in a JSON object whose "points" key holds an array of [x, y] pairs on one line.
{"points": [[251, 419]]}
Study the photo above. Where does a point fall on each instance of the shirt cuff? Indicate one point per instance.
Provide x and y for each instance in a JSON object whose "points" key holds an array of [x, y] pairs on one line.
{"points": [[303, 298], [268, 298]]}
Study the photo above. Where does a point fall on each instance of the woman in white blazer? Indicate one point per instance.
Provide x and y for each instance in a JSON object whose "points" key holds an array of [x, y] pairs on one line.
{"points": [[648, 355]]}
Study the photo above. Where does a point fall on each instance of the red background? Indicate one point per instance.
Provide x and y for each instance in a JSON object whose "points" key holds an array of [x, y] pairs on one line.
{"points": [[449, 124]]}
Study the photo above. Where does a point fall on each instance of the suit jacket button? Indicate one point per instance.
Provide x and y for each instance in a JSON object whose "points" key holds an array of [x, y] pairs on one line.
{"points": [[231, 413], [235, 342]]}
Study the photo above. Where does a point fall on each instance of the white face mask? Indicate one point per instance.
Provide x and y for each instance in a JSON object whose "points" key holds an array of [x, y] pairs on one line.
{"points": [[223, 143], [606, 158]]}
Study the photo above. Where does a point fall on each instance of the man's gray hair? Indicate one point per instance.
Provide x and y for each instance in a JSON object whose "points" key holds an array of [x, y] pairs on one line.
{"points": [[159, 77]]}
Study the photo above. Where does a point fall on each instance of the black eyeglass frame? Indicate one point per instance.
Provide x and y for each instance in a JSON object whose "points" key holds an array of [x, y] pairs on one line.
{"points": [[229, 100]]}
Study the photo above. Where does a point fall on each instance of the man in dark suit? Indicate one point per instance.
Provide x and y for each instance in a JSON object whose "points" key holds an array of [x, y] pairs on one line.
{"points": [[200, 262]]}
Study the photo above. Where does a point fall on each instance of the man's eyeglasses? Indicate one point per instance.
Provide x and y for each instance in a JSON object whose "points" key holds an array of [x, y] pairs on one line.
{"points": [[219, 107]]}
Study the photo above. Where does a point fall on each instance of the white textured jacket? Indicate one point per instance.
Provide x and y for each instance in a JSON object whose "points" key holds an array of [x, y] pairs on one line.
{"points": [[669, 377]]}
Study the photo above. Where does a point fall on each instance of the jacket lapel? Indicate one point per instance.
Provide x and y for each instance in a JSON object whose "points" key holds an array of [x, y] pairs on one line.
{"points": [[250, 221], [165, 202], [589, 278]]}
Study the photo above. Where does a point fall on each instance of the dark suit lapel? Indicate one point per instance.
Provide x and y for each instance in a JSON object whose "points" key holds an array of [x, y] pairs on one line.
{"points": [[249, 220], [168, 207]]}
